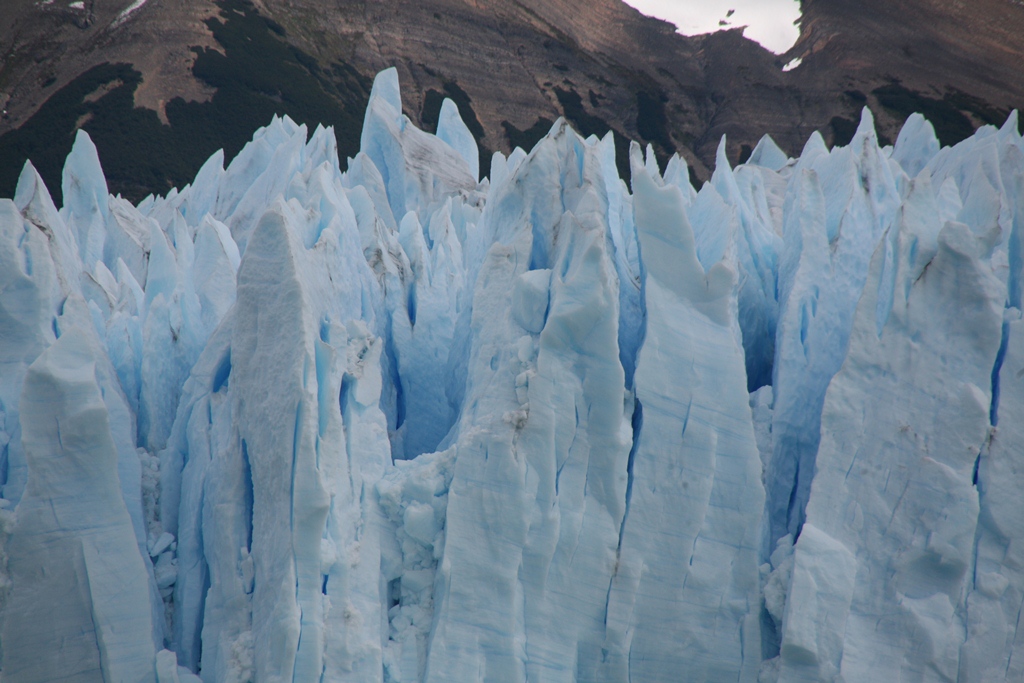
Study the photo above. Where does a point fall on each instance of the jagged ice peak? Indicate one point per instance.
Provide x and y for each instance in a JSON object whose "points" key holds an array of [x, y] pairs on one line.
{"points": [[290, 423]]}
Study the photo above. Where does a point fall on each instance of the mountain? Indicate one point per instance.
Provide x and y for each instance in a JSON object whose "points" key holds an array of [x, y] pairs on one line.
{"points": [[294, 423], [162, 85]]}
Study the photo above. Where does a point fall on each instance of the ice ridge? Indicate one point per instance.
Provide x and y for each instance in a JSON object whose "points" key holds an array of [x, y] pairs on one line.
{"points": [[399, 424]]}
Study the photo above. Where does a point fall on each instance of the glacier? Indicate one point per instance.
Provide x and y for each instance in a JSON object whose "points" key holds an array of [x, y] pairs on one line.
{"points": [[400, 423]]}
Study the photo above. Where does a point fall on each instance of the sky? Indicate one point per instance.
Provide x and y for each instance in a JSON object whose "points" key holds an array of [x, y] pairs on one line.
{"points": [[769, 22]]}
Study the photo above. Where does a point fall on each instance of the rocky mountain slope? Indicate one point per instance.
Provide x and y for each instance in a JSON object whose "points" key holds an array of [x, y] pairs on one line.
{"points": [[161, 84]]}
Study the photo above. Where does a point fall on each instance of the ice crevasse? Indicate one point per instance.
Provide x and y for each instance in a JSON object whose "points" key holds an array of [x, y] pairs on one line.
{"points": [[399, 424]]}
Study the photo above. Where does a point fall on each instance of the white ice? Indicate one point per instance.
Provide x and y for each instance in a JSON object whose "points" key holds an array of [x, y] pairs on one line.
{"points": [[399, 423]]}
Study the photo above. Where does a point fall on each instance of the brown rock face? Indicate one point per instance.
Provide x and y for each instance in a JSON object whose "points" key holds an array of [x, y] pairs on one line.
{"points": [[513, 66]]}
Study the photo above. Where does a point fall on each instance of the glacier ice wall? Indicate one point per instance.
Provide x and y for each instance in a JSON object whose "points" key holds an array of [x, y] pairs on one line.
{"points": [[395, 424]]}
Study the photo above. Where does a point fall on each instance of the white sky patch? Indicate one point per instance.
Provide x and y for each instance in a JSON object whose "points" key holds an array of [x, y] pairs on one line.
{"points": [[793, 63], [127, 12], [77, 5], [769, 22]]}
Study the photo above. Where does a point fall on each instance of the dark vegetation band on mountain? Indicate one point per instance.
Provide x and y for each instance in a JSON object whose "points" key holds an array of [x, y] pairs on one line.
{"points": [[257, 76], [523, 65]]}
